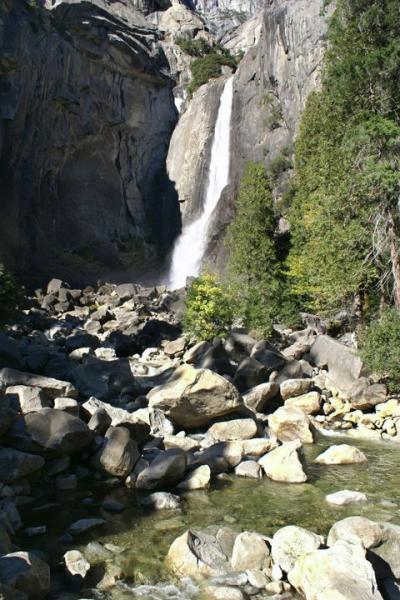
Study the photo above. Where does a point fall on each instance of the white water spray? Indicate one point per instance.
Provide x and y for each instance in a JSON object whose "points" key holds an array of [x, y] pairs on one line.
{"points": [[190, 246]]}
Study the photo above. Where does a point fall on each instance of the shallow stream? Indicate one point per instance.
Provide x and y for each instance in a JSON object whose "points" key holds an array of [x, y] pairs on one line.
{"points": [[243, 504]]}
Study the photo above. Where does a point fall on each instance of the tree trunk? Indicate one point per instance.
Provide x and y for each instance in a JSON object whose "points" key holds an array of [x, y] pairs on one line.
{"points": [[395, 257]]}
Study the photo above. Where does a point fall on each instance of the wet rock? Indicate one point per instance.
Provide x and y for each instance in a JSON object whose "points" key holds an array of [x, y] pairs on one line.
{"points": [[291, 542], [309, 403], [283, 463], [259, 398], [341, 454], [295, 387], [356, 529], [167, 469], [25, 572], [192, 397], [52, 387], [289, 423], [118, 454], [198, 479], [15, 465], [345, 497], [162, 501], [83, 525], [236, 429], [339, 572], [249, 468], [250, 551]]}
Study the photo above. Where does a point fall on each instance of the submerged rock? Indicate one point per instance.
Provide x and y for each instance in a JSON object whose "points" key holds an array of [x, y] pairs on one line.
{"points": [[341, 454], [345, 497]]}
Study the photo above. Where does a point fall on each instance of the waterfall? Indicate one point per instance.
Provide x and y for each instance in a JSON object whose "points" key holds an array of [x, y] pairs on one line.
{"points": [[190, 246]]}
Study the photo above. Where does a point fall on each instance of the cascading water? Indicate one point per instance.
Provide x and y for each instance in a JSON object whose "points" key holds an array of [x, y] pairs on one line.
{"points": [[190, 246]]}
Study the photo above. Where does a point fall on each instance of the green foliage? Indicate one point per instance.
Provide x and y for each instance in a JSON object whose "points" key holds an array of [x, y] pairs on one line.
{"points": [[208, 313], [197, 48], [344, 211], [208, 67], [11, 296], [279, 165], [380, 347], [253, 267]]}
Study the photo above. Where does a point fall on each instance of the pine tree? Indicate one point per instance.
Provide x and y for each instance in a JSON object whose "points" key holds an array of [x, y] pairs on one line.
{"points": [[253, 267]]}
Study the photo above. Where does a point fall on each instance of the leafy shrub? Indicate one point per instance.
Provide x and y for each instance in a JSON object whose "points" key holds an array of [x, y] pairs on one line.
{"points": [[11, 295], [208, 313], [198, 47], [380, 347], [208, 67], [279, 165]]}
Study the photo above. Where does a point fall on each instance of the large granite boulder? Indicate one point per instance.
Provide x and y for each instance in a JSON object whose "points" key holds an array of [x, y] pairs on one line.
{"points": [[339, 572], [192, 397], [118, 454], [53, 388], [289, 423], [250, 551], [16, 465], [341, 454], [166, 470], [352, 529], [196, 554], [283, 463], [51, 430], [235, 429], [260, 397], [291, 542], [25, 572]]}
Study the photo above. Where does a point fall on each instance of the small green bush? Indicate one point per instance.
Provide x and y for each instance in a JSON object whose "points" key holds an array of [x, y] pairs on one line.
{"points": [[197, 48], [208, 313], [208, 67], [279, 165], [380, 347]]}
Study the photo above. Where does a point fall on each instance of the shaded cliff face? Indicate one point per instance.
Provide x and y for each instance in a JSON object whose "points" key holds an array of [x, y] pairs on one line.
{"points": [[86, 115]]}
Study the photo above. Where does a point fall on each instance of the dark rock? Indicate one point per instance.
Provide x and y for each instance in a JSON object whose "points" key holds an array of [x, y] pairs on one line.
{"points": [[267, 355], [166, 470], [249, 374], [100, 421], [52, 387], [118, 454], [10, 354], [27, 573], [15, 465]]}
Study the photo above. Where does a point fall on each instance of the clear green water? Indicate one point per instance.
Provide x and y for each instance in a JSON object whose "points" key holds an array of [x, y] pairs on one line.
{"points": [[262, 506]]}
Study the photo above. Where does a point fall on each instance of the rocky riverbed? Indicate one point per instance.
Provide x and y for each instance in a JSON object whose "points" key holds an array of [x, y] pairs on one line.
{"points": [[131, 454]]}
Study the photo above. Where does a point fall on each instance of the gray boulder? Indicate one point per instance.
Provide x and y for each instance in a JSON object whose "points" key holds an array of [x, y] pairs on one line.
{"points": [[289, 424], [283, 463], [52, 430], [344, 366], [15, 465], [235, 429], [259, 398], [166, 470], [52, 387], [118, 454], [26, 399], [291, 542], [193, 397], [10, 354], [25, 572], [250, 373], [353, 529]]}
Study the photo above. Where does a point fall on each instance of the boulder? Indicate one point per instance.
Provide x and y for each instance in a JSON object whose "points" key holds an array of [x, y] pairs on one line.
{"points": [[100, 421], [84, 525], [258, 398], [161, 501], [51, 387], [15, 465], [344, 366], [223, 592], [388, 552], [258, 446], [76, 566], [239, 344], [55, 431], [166, 470], [192, 397], [356, 529], [118, 454], [309, 403], [345, 497], [139, 429], [25, 572], [283, 463], [250, 373], [250, 551], [295, 387], [186, 443], [220, 457], [364, 396], [236, 429], [249, 468], [10, 354], [341, 454], [195, 554], [196, 354], [70, 405], [268, 356], [341, 572], [291, 542], [198, 479], [7, 414], [289, 423]]}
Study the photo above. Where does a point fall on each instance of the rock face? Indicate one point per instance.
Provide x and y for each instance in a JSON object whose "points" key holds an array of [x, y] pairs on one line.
{"points": [[192, 397], [88, 107]]}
